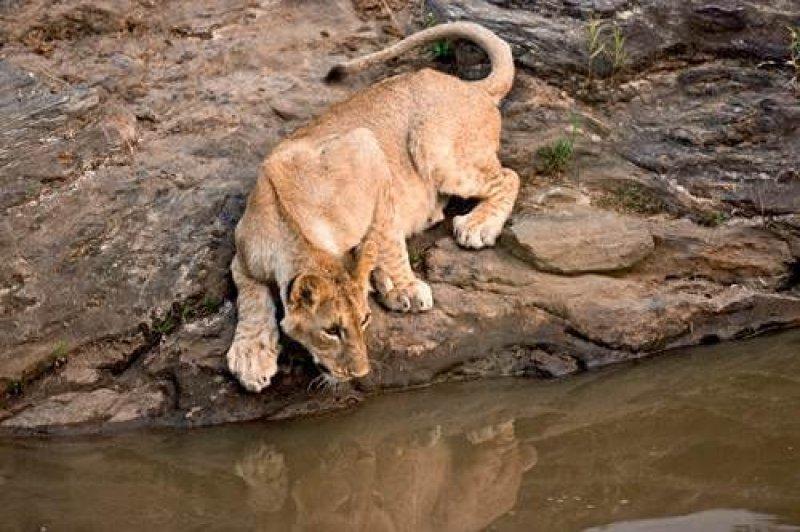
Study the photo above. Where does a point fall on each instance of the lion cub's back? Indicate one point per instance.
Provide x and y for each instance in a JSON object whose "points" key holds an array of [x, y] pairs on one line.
{"points": [[389, 106]]}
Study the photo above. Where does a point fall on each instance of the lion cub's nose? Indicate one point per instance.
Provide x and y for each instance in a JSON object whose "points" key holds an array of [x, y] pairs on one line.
{"points": [[358, 369]]}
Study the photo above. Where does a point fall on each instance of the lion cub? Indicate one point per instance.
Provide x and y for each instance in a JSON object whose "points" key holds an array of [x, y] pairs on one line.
{"points": [[364, 176]]}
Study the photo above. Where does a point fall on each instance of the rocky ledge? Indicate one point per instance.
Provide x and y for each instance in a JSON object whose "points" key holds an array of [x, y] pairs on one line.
{"points": [[658, 145]]}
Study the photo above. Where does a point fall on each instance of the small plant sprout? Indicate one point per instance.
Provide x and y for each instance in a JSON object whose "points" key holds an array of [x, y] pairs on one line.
{"points": [[430, 19], [14, 388], [714, 218], [632, 197], [794, 53], [599, 44], [594, 45], [60, 350], [416, 257], [618, 53], [165, 325], [211, 304], [575, 122], [556, 157], [58, 356], [187, 313], [442, 50]]}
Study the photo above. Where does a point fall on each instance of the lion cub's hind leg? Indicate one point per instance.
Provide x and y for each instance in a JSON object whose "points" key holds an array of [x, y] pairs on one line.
{"points": [[253, 355], [457, 151], [481, 226]]}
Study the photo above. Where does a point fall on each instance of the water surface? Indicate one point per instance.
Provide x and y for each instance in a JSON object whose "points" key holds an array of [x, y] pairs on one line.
{"points": [[707, 440]]}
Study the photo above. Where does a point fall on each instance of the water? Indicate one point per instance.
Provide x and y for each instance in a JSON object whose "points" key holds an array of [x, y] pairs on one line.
{"points": [[708, 440]]}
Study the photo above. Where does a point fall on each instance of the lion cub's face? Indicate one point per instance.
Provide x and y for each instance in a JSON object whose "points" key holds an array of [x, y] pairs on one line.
{"points": [[328, 314]]}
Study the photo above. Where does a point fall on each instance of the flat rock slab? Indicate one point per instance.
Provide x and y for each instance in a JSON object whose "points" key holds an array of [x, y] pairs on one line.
{"points": [[102, 405], [580, 241]]}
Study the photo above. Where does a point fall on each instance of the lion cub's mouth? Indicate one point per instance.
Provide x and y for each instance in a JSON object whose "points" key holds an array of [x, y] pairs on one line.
{"points": [[333, 374]]}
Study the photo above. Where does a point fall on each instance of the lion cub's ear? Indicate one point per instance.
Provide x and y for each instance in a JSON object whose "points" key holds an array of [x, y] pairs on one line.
{"points": [[367, 256], [307, 290]]}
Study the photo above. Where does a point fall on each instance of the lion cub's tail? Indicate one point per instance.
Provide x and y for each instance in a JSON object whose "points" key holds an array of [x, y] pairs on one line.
{"points": [[497, 83]]}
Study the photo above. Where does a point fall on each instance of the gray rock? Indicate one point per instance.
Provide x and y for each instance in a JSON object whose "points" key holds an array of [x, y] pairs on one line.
{"points": [[102, 405], [581, 241]]}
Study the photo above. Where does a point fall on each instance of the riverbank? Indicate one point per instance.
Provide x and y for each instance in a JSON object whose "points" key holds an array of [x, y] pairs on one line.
{"points": [[707, 437]]}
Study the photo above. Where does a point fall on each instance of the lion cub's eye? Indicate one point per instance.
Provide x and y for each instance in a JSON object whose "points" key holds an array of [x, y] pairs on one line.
{"points": [[365, 321], [334, 331]]}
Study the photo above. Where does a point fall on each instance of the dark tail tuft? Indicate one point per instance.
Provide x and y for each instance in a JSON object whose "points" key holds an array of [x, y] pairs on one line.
{"points": [[337, 73]]}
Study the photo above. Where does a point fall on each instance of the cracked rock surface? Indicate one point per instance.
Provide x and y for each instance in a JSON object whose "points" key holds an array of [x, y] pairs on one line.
{"points": [[581, 241], [131, 133]]}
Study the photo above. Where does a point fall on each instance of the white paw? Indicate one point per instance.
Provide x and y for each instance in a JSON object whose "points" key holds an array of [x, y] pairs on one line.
{"points": [[417, 297], [476, 234], [253, 361]]}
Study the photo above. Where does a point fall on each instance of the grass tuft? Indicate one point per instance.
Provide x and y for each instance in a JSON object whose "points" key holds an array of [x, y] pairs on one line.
{"points": [[165, 325], [431, 19], [594, 45], [442, 50], [557, 157], [632, 197], [60, 350], [13, 388], [416, 257], [211, 304], [193, 308], [713, 218], [618, 54], [794, 53], [599, 44]]}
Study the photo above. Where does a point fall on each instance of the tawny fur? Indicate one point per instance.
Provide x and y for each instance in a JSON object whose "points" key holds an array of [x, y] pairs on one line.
{"points": [[367, 174]]}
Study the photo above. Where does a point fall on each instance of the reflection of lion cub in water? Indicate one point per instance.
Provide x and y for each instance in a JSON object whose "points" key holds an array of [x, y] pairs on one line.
{"points": [[366, 174]]}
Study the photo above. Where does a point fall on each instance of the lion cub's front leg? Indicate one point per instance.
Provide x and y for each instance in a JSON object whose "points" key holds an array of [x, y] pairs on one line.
{"points": [[253, 355], [398, 287]]}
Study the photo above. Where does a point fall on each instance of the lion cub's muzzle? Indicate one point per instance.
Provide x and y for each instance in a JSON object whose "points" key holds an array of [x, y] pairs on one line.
{"points": [[355, 369]]}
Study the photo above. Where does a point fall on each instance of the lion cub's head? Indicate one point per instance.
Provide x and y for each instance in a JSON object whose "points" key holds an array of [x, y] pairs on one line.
{"points": [[327, 311]]}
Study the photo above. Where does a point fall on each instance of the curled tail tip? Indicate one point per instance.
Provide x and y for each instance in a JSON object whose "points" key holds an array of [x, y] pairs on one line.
{"points": [[336, 73]]}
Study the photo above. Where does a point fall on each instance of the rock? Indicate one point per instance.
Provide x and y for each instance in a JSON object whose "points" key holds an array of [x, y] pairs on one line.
{"points": [[581, 241], [550, 37], [728, 254], [734, 139], [739, 153], [518, 361], [138, 128], [102, 405], [287, 109], [79, 374], [562, 198]]}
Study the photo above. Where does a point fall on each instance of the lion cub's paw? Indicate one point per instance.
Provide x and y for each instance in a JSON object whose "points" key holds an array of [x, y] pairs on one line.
{"points": [[253, 362], [417, 297], [476, 232]]}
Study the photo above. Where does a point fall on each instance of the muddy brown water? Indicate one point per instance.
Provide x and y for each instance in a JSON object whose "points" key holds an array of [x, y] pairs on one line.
{"points": [[705, 440]]}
